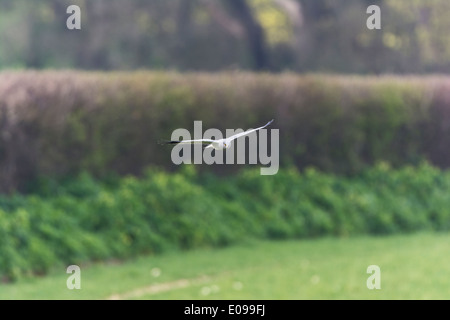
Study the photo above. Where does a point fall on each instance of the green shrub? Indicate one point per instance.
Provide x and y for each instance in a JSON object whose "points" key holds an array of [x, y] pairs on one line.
{"points": [[88, 219]]}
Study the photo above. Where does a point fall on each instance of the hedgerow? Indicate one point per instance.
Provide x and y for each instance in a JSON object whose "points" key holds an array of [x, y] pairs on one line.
{"points": [[60, 123], [85, 219]]}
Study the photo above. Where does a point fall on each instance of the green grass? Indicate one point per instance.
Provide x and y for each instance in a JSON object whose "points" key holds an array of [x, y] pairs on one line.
{"points": [[412, 267]]}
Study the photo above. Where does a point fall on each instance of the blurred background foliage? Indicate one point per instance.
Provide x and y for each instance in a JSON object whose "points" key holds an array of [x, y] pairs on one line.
{"points": [[212, 35], [363, 143], [59, 123]]}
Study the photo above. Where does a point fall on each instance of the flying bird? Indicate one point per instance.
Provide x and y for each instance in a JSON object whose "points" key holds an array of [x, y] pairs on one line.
{"points": [[217, 144]]}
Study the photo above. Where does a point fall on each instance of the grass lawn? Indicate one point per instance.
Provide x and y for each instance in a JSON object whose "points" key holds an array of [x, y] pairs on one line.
{"points": [[412, 267]]}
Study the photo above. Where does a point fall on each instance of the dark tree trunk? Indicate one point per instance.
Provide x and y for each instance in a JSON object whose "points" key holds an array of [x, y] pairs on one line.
{"points": [[254, 32]]}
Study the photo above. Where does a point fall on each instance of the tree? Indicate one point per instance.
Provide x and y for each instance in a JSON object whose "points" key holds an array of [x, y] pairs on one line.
{"points": [[254, 32]]}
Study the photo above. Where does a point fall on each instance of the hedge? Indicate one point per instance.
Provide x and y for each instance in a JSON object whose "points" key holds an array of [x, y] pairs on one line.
{"points": [[87, 220], [59, 123]]}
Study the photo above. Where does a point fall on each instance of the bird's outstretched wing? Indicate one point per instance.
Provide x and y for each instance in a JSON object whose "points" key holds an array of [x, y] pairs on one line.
{"points": [[248, 131], [208, 141]]}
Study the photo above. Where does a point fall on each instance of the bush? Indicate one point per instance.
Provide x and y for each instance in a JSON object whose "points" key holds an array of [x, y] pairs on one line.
{"points": [[84, 219], [61, 123]]}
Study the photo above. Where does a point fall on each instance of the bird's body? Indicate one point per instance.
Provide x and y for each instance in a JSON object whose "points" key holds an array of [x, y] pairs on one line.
{"points": [[219, 144]]}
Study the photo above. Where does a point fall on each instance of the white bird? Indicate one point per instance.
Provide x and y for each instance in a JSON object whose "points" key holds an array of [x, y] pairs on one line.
{"points": [[221, 143]]}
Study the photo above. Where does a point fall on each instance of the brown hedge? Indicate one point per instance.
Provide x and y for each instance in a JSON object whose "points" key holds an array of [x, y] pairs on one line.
{"points": [[57, 123]]}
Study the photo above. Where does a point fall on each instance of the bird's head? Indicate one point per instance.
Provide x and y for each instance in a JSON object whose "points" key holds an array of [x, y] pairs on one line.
{"points": [[226, 145]]}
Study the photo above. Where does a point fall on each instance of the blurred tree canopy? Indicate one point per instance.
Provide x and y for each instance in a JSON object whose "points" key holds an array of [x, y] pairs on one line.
{"points": [[212, 35]]}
